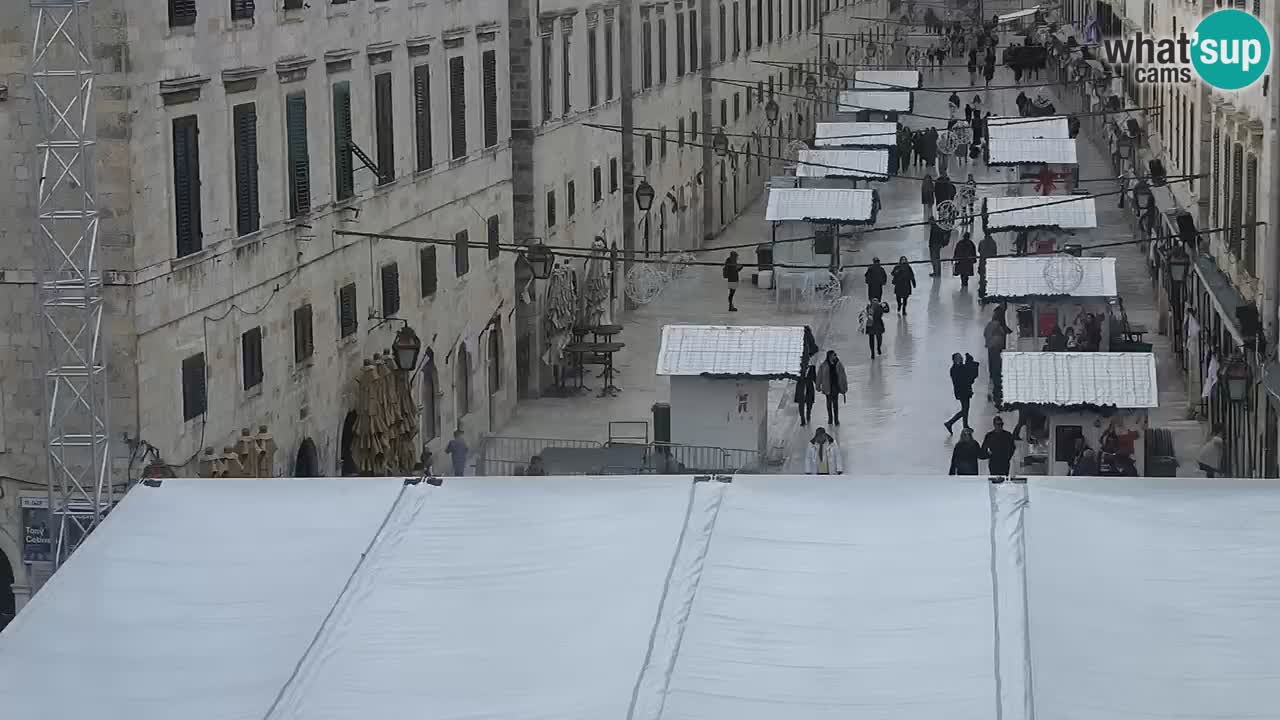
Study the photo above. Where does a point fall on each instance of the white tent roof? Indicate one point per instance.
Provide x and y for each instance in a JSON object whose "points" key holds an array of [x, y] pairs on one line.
{"points": [[866, 164], [1065, 379], [738, 350], [1032, 211], [886, 80], [886, 101], [1013, 128], [1032, 151], [1018, 14], [1035, 275], [854, 206], [663, 598], [873, 134]]}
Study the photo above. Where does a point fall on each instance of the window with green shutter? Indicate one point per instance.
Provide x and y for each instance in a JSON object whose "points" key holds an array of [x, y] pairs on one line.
{"points": [[299, 156], [348, 320], [461, 253], [242, 9], [251, 358], [384, 128], [182, 13], [390, 289], [195, 389], [422, 116], [343, 158], [458, 106], [304, 344], [489, 73], [427, 270], [493, 228], [245, 130], [186, 185]]}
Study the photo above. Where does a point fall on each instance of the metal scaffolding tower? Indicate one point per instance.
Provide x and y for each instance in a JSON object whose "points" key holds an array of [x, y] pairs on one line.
{"points": [[69, 279]]}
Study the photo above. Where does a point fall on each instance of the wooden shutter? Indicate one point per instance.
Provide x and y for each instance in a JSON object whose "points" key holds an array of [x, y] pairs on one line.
{"points": [[593, 72], [343, 163], [570, 199], [566, 63], [493, 228], [458, 106], [384, 128], [597, 185], [299, 156], [662, 50], [186, 184], [680, 45], [489, 73], [390, 289], [348, 322], [195, 395], [461, 253], [245, 122], [427, 270], [303, 335], [182, 12], [422, 115], [251, 357], [608, 61], [242, 9]]}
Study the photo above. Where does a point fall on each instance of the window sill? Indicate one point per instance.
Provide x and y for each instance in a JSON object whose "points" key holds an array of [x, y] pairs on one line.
{"points": [[194, 258], [182, 30], [252, 393], [379, 7], [241, 24], [251, 238], [302, 367], [349, 341], [458, 161], [292, 15]]}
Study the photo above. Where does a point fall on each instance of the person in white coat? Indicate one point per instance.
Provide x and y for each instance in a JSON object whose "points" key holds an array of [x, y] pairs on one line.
{"points": [[823, 455]]}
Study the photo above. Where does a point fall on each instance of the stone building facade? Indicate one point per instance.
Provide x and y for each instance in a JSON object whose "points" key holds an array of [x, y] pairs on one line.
{"points": [[224, 181]]}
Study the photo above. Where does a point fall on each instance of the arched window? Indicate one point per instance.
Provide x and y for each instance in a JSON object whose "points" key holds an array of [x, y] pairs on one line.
{"points": [[462, 381], [430, 394], [495, 356]]}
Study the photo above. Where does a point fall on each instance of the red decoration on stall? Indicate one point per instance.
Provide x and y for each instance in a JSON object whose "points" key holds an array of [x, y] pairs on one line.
{"points": [[1047, 181]]}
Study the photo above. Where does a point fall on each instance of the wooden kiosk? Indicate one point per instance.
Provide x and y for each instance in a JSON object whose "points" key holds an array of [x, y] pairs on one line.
{"points": [[1048, 221], [1050, 292], [805, 232], [1080, 396]]}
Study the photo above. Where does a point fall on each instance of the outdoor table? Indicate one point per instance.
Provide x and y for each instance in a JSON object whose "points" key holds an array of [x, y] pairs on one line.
{"points": [[595, 354], [604, 334]]}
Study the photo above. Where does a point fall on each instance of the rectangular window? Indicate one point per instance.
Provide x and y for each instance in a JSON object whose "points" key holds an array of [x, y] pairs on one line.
{"points": [[570, 199], [566, 62], [737, 106], [293, 4], [182, 13], [1191, 155], [186, 185], [608, 61], [693, 127], [593, 72], [737, 32], [299, 156], [597, 185], [348, 321], [680, 58], [648, 149], [1216, 178], [427, 270], [1237, 196], [384, 128], [646, 55], [489, 73], [390, 277], [195, 389], [242, 9], [662, 50], [551, 208], [662, 142], [493, 228], [721, 35], [461, 253], [304, 342], [1248, 250], [343, 165], [613, 175], [251, 358], [244, 121], [546, 78], [680, 133], [759, 22], [693, 41], [458, 105], [422, 116], [724, 112], [769, 20]]}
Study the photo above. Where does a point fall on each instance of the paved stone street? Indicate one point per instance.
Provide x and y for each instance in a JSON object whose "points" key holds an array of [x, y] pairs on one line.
{"points": [[892, 422]]}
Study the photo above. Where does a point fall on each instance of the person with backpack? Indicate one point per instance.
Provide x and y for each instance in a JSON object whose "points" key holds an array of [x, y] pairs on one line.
{"points": [[873, 326], [732, 270]]}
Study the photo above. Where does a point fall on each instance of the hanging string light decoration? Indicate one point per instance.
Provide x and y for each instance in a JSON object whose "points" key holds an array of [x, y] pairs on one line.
{"points": [[1063, 273], [946, 214], [644, 283], [948, 142]]}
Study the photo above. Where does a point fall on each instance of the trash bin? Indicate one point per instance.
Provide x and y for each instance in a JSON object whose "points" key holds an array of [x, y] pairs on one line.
{"points": [[764, 257], [1073, 249]]}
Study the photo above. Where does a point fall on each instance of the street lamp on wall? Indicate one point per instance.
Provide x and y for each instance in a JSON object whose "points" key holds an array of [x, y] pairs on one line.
{"points": [[1179, 264], [1237, 377], [1143, 199], [720, 143], [405, 349], [811, 85], [541, 260], [644, 195], [771, 111]]}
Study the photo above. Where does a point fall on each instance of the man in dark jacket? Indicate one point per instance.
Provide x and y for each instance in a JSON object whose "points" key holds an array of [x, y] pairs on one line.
{"points": [[876, 278], [938, 239], [998, 447], [927, 196], [996, 338], [832, 383], [986, 249], [964, 371]]}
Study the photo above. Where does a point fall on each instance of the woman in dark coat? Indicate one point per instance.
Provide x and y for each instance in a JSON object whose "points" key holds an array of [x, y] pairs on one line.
{"points": [[986, 249], [904, 281], [926, 195], [973, 67], [873, 320], [962, 260], [965, 455], [810, 346], [805, 389]]}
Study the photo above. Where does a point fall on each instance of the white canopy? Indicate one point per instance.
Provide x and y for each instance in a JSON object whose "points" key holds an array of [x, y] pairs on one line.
{"points": [[866, 164], [1032, 211], [738, 350], [1033, 275], [817, 204], [1065, 379], [1018, 128], [862, 134], [886, 80], [1031, 151], [662, 598], [1018, 14], [883, 101]]}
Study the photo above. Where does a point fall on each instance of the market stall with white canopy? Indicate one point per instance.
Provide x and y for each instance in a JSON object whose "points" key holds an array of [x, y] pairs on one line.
{"points": [[1052, 293], [873, 105], [842, 165], [857, 134], [805, 233], [1020, 128], [887, 80]]}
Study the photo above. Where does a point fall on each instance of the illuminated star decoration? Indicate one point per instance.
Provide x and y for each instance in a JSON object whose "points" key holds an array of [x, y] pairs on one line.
{"points": [[1047, 181]]}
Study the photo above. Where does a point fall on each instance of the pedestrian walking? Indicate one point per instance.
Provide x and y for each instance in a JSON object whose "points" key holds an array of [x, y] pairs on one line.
{"points": [[986, 249], [998, 447], [873, 326], [939, 238], [954, 101], [964, 135], [995, 336], [806, 392], [732, 269], [1211, 456], [876, 279], [904, 281], [917, 148], [973, 67], [930, 146], [457, 451], [944, 190], [810, 347], [969, 200], [1022, 101], [965, 455], [822, 457], [833, 383], [962, 259], [927, 196], [904, 148], [964, 371]]}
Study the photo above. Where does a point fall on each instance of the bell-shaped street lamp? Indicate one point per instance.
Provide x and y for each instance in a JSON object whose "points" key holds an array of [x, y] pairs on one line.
{"points": [[1237, 377], [771, 111], [405, 349], [644, 196], [720, 143], [1178, 263]]}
